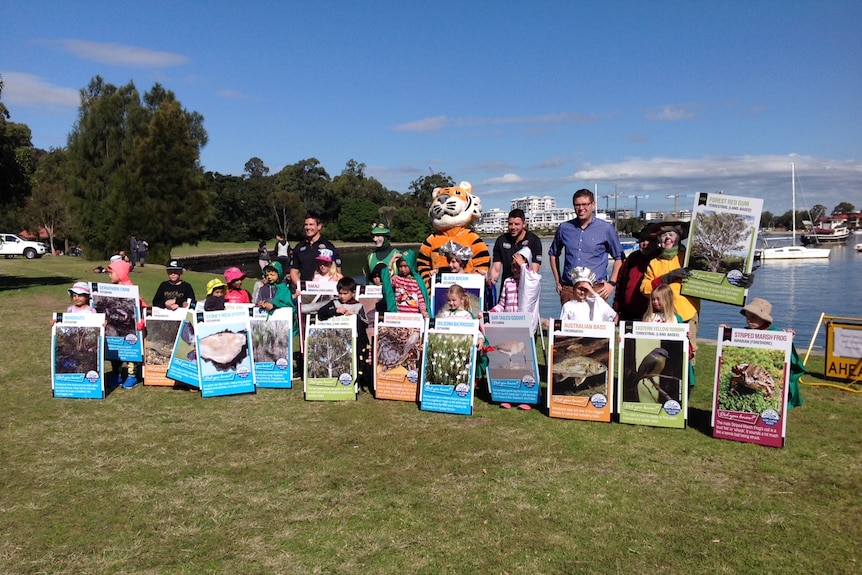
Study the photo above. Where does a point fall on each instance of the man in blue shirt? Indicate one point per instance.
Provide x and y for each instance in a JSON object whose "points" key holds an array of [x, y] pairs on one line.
{"points": [[587, 242]]}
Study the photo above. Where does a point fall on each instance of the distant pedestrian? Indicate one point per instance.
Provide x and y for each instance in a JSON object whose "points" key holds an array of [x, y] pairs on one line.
{"points": [[143, 246], [263, 258], [133, 251]]}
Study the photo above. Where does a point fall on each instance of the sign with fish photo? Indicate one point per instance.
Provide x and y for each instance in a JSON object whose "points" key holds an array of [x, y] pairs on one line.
{"points": [[721, 246], [160, 336], [580, 370], [398, 342], [121, 306], [183, 366], [752, 375], [224, 353], [272, 347], [654, 374], [77, 355], [330, 359], [448, 366], [513, 369]]}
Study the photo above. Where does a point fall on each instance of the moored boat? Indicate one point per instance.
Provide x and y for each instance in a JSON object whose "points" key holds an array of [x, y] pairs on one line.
{"points": [[836, 234]]}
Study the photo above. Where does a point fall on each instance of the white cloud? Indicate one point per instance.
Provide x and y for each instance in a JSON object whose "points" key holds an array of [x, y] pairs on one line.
{"points": [[673, 113], [424, 125], [505, 179], [232, 95], [31, 90], [120, 54]]}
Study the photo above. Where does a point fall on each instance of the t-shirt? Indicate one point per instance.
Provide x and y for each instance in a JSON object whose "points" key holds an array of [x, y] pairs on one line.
{"points": [[592, 309], [505, 247], [304, 257], [181, 292]]}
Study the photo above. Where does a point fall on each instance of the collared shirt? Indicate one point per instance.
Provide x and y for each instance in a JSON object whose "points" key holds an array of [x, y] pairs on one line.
{"points": [[587, 248], [304, 257]]}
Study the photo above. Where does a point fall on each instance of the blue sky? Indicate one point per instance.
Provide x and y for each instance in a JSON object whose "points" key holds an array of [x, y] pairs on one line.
{"points": [[518, 98]]}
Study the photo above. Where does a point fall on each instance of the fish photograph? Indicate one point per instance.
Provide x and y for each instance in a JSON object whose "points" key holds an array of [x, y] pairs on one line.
{"points": [[580, 366]]}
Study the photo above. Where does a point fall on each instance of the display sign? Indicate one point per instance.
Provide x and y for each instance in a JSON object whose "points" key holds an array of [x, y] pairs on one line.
{"points": [[721, 247], [77, 355], [160, 336], [120, 304], [272, 347], [398, 342], [330, 359], [448, 366], [580, 370], [224, 353], [513, 369], [653, 374], [752, 372]]}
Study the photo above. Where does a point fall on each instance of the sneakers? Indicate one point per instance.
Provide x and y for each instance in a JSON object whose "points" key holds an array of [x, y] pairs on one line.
{"points": [[130, 382], [524, 407], [506, 405]]}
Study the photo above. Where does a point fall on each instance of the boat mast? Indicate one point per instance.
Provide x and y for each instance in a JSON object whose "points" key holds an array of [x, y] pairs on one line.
{"points": [[793, 201]]}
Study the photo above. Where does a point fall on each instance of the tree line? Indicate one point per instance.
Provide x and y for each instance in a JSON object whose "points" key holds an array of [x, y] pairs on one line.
{"points": [[131, 164]]}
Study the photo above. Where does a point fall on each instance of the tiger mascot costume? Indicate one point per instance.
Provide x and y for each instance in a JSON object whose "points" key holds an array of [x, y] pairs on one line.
{"points": [[453, 211]]}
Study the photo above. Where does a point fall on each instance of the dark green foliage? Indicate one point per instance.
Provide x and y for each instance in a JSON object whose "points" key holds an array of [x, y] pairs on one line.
{"points": [[410, 225], [16, 168], [356, 219], [422, 188], [133, 167]]}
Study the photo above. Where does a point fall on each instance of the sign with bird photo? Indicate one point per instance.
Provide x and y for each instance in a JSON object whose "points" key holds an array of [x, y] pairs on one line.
{"points": [[721, 246], [513, 369], [752, 372], [580, 370], [330, 359], [159, 339], [77, 355], [120, 304], [448, 366], [398, 342], [272, 347], [224, 353], [653, 374]]}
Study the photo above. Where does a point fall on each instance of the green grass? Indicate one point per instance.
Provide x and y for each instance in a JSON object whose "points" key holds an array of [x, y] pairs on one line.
{"points": [[156, 480]]}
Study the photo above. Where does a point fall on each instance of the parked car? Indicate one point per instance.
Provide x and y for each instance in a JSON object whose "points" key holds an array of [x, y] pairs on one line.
{"points": [[12, 245]]}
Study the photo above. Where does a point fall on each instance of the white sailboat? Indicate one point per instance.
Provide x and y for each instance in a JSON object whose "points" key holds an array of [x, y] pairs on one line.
{"points": [[792, 252]]}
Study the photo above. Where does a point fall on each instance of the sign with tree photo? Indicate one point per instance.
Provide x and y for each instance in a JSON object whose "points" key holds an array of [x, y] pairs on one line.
{"points": [[721, 247]]}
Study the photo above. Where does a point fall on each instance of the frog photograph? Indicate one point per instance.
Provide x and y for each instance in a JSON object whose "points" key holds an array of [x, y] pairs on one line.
{"points": [[750, 380]]}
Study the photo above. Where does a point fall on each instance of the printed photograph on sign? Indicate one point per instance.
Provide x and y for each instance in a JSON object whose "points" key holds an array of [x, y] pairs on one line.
{"points": [[751, 380], [159, 339], [580, 366], [76, 349], [653, 371]]}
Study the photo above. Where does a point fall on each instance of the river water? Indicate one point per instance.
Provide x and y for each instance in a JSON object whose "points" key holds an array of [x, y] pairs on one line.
{"points": [[798, 290]]}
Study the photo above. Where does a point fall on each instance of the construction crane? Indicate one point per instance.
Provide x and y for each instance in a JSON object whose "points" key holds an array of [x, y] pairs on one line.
{"points": [[676, 198], [637, 214]]}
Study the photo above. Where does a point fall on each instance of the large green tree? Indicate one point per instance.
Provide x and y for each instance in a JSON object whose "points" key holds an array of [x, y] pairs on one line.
{"points": [[16, 167], [134, 167], [421, 189], [48, 206]]}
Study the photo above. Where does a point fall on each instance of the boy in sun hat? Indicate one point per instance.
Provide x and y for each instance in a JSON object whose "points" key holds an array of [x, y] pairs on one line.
{"points": [[758, 315], [587, 306]]}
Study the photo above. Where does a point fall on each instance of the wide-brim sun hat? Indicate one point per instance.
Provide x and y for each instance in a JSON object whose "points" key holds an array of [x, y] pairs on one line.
{"points": [[671, 225], [233, 274], [759, 307], [214, 284], [79, 288]]}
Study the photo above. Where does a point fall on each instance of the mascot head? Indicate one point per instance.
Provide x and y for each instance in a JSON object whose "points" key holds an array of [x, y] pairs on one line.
{"points": [[454, 207]]}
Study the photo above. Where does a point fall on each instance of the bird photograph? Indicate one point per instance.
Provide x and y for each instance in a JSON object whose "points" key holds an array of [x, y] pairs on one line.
{"points": [[653, 371]]}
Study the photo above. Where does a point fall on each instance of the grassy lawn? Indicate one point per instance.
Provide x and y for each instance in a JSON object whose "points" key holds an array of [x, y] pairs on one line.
{"points": [[156, 480]]}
